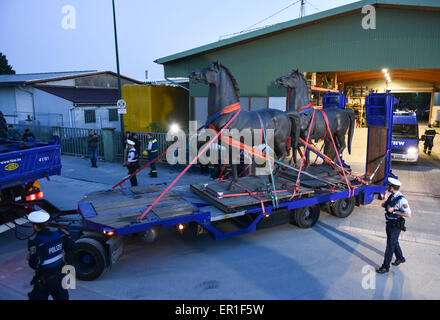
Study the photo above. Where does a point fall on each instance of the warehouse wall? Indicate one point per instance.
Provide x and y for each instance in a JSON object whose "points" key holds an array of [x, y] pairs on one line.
{"points": [[403, 39]]}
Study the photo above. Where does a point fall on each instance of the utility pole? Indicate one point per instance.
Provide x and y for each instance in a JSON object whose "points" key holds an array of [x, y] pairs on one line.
{"points": [[117, 63], [302, 10]]}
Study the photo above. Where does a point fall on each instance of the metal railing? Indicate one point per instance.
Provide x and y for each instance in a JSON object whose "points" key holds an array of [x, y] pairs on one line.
{"points": [[74, 141]]}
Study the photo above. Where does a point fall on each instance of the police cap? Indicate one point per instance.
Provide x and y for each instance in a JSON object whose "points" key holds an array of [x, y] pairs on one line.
{"points": [[40, 216], [394, 182], [131, 143]]}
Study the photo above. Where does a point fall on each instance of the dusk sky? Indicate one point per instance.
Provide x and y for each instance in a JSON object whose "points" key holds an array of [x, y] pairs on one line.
{"points": [[33, 38]]}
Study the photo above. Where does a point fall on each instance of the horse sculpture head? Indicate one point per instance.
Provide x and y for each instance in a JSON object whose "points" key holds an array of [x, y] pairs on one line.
{"points": [[290, 80], [209, 75], [299, 89]]}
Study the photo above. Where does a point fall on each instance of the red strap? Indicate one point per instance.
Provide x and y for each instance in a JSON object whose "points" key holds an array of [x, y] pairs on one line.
{"points": [[306, 106], [174, 146], [231, 108], [298, 178], [189, 165], [337, 153]]}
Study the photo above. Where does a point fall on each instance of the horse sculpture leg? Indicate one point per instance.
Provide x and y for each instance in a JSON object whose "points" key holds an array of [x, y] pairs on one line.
{"points": [[234, 177]]}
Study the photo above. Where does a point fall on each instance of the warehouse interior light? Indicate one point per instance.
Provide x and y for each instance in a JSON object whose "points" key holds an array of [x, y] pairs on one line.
{"points": [[174, 128], [386, 74]]}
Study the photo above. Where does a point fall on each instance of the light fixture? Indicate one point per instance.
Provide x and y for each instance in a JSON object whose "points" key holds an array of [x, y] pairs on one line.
{"points": [[384, 70], [174, 128]]}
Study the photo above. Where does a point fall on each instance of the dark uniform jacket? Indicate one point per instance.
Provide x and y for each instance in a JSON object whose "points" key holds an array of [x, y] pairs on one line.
{"points": [[46, 250]]}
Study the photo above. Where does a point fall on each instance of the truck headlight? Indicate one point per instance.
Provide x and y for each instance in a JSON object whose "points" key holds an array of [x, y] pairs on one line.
{"points": [[412, 150]]}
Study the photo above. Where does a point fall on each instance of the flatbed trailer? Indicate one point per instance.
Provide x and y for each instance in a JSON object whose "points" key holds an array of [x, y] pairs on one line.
{"points": [[109, 216]]}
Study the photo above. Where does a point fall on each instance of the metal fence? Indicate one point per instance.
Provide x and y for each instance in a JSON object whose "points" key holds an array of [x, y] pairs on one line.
{"points": [[74, 141]]}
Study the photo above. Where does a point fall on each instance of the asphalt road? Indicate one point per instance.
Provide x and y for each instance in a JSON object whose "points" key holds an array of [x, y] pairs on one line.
{"points": [[328, 261]]}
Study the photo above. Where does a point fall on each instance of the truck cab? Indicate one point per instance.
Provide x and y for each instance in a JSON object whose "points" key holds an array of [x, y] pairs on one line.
{"points": [[405, 142]]}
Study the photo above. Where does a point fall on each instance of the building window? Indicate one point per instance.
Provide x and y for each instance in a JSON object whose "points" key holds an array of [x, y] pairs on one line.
{"points": [[89, 116], [112, 114]]}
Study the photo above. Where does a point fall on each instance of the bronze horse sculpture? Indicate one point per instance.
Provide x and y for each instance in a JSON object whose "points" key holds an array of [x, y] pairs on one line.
{"points": [[224, 92], [340, 120]]}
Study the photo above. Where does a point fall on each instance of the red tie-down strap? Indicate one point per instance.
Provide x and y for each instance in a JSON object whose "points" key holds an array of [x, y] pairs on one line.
{"points": [[298, 178], [189, 165], [350, 187]]}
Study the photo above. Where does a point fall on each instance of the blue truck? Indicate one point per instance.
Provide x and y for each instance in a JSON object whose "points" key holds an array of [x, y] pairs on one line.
{"points": [[405, 142], [22, 164]]}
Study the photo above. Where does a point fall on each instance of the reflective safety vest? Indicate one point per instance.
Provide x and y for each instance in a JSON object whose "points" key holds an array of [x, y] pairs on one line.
{"points": [[154, 145], [430, 132]]}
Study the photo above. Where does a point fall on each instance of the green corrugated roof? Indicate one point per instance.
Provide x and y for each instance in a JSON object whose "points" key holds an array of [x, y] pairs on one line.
{"points": [[294, 23]]}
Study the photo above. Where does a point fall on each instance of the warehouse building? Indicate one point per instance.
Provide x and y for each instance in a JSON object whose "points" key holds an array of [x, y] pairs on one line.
{"points": [[402, 39]]}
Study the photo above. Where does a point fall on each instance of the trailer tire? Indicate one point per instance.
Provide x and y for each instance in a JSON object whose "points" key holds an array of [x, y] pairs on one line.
{"points": [[88, 258], [306, 217], [342, 208]]}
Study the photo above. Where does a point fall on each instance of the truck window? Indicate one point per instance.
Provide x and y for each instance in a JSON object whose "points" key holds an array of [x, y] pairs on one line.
{"points": [[405, 131]]}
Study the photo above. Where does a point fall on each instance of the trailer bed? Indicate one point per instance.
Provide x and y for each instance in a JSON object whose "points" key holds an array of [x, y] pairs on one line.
{"points": [[235, 199], [122, 207]]}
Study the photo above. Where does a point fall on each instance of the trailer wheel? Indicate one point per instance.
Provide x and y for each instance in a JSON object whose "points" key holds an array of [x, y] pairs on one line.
{"points": [[306, 217], [342, 208], [88, 258]]}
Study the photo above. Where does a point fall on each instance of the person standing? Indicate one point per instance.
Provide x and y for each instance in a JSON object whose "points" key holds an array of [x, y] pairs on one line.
{"points": [[13, 134], [28, 136], [132, 162], [396, 208], [137, 143], [92, 143], [429, 139], [46, 257], [152, 149], [125, 145]]}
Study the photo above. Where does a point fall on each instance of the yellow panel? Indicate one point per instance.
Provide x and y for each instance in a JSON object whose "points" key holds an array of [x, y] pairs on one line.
{"points": [[154, 107]]}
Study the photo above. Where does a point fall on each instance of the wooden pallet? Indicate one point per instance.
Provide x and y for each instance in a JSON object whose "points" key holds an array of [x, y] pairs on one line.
{"points": [[117, 208], [217, 193]]}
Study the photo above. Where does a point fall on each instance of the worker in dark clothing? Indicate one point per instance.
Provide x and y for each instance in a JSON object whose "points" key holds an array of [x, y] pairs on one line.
{"points": [[125, 145], [396, 208], [152, 149], [13, 134], [92, 143], [137, 142], [429, 139], [28, 136], [46, 257], [132, 162]]}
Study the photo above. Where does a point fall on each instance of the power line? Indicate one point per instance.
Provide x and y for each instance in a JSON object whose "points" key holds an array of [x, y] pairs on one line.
{"points": [[309, 3], [270, 16]]}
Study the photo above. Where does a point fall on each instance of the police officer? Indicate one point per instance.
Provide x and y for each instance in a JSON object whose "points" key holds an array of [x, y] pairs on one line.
{"points": [[46, 257], [396, 208], [132, 162], [429, 139], [152, 149]]}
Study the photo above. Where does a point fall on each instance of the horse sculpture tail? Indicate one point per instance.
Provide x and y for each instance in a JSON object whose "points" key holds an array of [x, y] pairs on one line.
{"points": [[351, 115]]}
